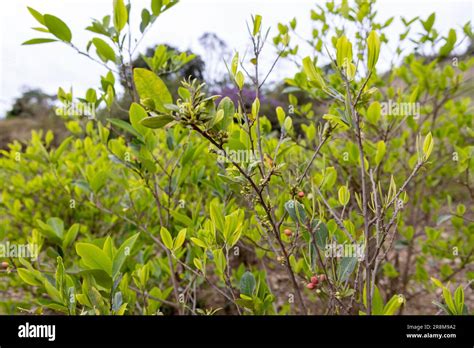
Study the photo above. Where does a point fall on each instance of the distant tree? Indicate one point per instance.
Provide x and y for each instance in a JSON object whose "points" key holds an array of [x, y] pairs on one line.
{"points": [[32, 103]]}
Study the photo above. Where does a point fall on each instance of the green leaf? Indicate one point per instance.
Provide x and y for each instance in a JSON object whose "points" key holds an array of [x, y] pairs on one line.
{"points": [[428, 145], [38, 16], [122, 253], [257, 23], [156, 7], [288, 124], [240, 79], [180, 238], [38, 41], [52, 291], [336, 120], [449, 45], [448, 299], [459, 300], [137, 113], [166, 238], [428, 24], [247, 284], [220, 261], [311, 72], [321, 233], [156, 121], [61, 148], [94, 257], [377, 302], [393, 305], [28, 277], [71, 235], [344, 51], [296, 214], [146, 17], [98, 181], [120, 15], [373, 50], [151, 86], [235, 63], [60, 276], [57, 27], [198, 264], [373, 112], [124, 125], [381, 149], [344, 195], [104, 51], [217, 217], [443, 218], [346, 267], [198, 242], [57, 226]]}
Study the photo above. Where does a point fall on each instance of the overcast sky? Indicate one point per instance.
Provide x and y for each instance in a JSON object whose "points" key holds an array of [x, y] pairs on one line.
{"points": [[49, 66]]}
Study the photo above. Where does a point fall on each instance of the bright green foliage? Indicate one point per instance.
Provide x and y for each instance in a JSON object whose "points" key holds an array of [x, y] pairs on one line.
{"points": [[212, 199]]}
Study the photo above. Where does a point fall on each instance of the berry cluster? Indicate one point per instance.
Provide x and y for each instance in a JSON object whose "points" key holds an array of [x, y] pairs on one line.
{"points": [[315, 280]]}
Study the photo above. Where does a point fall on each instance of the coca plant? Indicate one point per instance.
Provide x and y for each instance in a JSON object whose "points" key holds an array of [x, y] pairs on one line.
{"points": [[200, 207]]}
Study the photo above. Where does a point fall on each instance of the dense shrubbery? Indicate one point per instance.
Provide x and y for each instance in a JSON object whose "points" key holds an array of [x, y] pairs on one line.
{"points": [[198, 207]]}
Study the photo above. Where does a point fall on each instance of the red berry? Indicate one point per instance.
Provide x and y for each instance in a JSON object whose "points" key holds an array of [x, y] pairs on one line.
{"points": [[314, 280], [322, 277], [310, 286], [288, 232], [301, 194], [4, 264]]}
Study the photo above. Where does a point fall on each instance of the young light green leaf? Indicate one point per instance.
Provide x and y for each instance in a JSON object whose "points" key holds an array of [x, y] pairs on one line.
{"points": [[122, 253], [381, 149], [235, 63], [198, 264], [180, 238], [103, 49], [38, 16], [288, 124], [70, 236], [94, 257], [57, 27], [428, 146], [166, 238], [136, 114], [344, 195], [343, 51], [312, 74], [57, 226], [151, 86], [240, 79], [198, 242], [257, 22], [38, 41], [393, 305], [373, 50], [217, 217], [448, 299], [459, 299], [28, 277], [373, 112], [120, 15]]}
